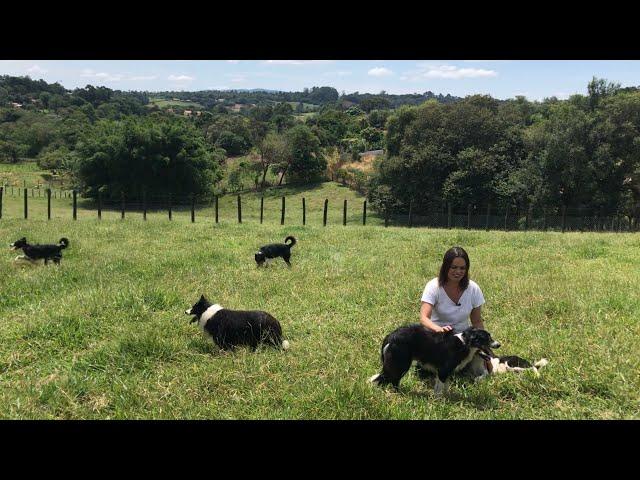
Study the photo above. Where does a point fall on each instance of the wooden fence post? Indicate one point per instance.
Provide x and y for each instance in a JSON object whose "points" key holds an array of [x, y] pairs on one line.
{"points": [[449, 215], [239, 210], [344, 213], [75, 205], [282, 215], [261, 208], [506, 215], [48, 204], [216, 208], [364, 213], [564, 217], [144, 205], [1, 192], [324, 219], [411, 213], [386, 217], [304, 212], [169, 200], [122, 207], [488, 213], [99, 205], [25, 204], [193, 208]]}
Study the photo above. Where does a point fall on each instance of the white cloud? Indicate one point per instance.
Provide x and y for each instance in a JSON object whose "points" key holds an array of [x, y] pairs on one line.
{"points": [[105, 77], [296, 62], [454, 73], [36, 69], [143, 77], [180, 78], [380, 72]]}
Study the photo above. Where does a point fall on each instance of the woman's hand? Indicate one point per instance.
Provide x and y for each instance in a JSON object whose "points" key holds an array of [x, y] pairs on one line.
{"points": [[439, 329]]}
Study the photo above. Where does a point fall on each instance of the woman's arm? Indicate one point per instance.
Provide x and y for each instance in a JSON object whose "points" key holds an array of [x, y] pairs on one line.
{"points": [[476, 318], [425, 319]]}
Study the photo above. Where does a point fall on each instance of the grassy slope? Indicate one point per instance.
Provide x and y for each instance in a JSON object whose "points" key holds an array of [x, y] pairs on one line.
{"points": [[104, 335]]}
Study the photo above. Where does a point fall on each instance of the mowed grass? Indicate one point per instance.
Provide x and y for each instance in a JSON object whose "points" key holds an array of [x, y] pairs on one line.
{"points": [[104, 336]]}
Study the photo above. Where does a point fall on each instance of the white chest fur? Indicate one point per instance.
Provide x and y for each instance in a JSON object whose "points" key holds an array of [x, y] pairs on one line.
{"points": [[207, 314]]}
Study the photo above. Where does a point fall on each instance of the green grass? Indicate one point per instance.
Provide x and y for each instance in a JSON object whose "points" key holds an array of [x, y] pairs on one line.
{"points": [[166, 103], [27, 173], [104, 334]]}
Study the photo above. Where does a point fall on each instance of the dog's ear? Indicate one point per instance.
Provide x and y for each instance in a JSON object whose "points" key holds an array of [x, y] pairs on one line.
{"points": [[202, 299]]}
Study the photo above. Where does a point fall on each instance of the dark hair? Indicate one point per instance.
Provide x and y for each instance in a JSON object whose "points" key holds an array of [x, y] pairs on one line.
{"points": [[454, 252]]}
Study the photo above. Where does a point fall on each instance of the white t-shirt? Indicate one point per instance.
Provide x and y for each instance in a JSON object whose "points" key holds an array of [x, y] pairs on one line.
{"points": [[446, 311]]}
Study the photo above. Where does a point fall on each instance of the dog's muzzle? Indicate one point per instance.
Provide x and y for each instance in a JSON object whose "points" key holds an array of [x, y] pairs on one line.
{"points": [[188, 312], [12, 246]]}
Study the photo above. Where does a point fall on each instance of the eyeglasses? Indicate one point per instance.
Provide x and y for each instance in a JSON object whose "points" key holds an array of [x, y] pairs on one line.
{"points": [[453, 267]]}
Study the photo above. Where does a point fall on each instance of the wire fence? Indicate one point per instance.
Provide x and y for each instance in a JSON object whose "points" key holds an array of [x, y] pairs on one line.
{"points": [[296, 210]]}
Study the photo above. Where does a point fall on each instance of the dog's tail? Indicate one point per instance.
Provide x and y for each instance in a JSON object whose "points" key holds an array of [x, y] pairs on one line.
{"points": [[379, 378], [539, 364], [64, 242], [293, 241]]}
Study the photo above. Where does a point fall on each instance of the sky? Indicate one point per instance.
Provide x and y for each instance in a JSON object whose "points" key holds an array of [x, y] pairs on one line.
{"points": [[502, 79]]}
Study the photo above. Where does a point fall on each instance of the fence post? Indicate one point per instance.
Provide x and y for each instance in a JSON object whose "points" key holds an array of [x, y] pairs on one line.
{"points": [[75, 205], [469, 217], [99, 205], [261, 208], [239, 210], [527, 219], [449, 215], [564, 216], [411, 213], [304, 212], [488, 213], [193, 208], [386, 217], [344, 213], [48, 204], [216, 208], [25, 203], [169, 199], [282, 215], [32, 194], [122, 207], [506, 215], [1, 192], [364, 213], [324, 219], [144, 204]]}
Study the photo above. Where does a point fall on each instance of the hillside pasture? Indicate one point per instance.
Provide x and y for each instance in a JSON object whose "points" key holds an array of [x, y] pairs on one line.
{"points": [[104, 335]]}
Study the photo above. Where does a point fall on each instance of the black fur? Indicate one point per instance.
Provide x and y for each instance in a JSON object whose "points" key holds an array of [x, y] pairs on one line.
{"points": [[515, 361], [37, 252], [443, 352], [275, 250], [233, 328]]}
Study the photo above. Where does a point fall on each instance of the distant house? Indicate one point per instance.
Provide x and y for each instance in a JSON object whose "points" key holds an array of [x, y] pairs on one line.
{"points": [[370, 153], [237, 107], [171, 110], [188, 113], [16, 105]]}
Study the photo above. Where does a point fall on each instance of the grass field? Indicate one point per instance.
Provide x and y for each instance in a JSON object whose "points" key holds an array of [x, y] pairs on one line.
{"points": [[104, 335], [165, 103]]}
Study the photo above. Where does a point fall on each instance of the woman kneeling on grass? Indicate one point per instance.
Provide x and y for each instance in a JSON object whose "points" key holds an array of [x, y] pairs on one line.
{"points": [[450, 300]]}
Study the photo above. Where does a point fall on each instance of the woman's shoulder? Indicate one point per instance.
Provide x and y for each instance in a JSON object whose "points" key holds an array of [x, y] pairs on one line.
{"points": [[433, 283]]}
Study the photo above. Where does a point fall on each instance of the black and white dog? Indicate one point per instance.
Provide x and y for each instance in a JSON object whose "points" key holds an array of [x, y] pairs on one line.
{"points": [[274, 250], [442, 353], [232, 328], [513, 363], [33, 253]]}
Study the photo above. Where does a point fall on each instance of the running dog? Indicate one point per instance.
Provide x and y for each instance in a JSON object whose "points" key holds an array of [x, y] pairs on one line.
{"points": [[36, 252]]}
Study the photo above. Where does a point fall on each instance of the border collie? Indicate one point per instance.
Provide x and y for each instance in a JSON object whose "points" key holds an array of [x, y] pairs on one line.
{"points": [[442, 353], [36, 252], [274, 250], [513, 363], [232, 328]]}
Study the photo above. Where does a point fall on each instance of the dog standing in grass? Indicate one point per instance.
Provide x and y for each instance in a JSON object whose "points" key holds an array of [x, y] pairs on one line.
{"points": [[274, 250], [33, 253], [233, 328]]}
